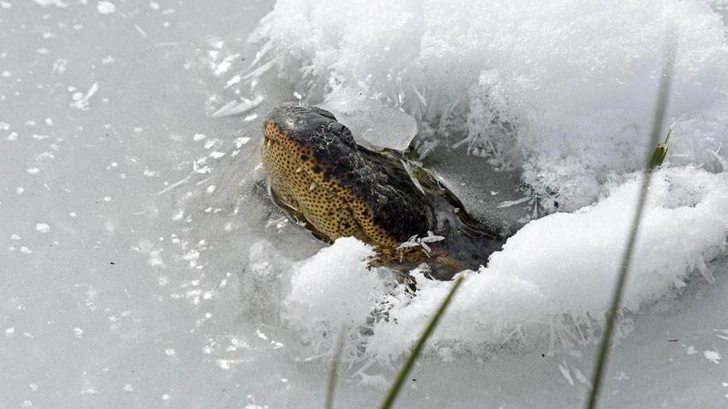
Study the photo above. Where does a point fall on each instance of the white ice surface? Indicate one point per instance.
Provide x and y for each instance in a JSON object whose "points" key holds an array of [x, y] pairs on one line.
{"points": [[143, 268]]}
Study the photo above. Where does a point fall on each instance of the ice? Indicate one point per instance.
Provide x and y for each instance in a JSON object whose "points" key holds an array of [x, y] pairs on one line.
{"points": [[267, 282], [238, 108], [373, 124], [131, 280]]}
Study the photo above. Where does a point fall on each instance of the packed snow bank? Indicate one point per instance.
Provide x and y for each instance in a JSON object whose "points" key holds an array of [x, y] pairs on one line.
{"points": [[564, 265], [552, 281], [564, 89]]}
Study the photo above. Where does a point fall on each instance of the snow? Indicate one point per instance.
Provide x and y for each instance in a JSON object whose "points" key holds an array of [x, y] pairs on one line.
{"points": [[105, 7], [571, 111], [712, 356], [144, 266], [565, 264], [325, 309], [46, 3]]}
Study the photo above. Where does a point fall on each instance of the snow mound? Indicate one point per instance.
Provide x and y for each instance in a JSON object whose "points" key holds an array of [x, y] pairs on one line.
{"points": [[563, 89], [552, 281], [332, 291]]}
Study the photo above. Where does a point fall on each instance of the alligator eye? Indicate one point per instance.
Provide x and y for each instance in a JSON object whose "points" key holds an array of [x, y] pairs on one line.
{"points": [[336, 128], [343, 133], [323, 112]]}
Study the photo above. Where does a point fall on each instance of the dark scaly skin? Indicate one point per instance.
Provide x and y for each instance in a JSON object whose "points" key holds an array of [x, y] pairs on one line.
{"points": [[319, 174]]}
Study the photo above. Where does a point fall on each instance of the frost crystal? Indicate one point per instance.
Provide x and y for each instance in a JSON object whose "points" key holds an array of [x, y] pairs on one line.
{"points": [[421, 242]]}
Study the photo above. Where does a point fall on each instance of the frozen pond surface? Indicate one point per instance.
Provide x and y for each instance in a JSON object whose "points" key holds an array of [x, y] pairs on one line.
{"points": [[131, 221]]}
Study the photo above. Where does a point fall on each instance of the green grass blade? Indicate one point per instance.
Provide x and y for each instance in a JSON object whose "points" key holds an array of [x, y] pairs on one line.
{"points": [[417, 349], [652, 163]]}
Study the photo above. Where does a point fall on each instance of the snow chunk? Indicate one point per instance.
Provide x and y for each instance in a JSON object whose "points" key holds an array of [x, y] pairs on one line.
{"points": [[105, 7], [712, 356], [332, 290], [81, 100], [42, 227], [46, 3]]}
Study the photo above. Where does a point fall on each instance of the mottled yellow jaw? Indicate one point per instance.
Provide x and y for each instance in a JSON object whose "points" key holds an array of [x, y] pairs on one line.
{"points": [[299, 183]]}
